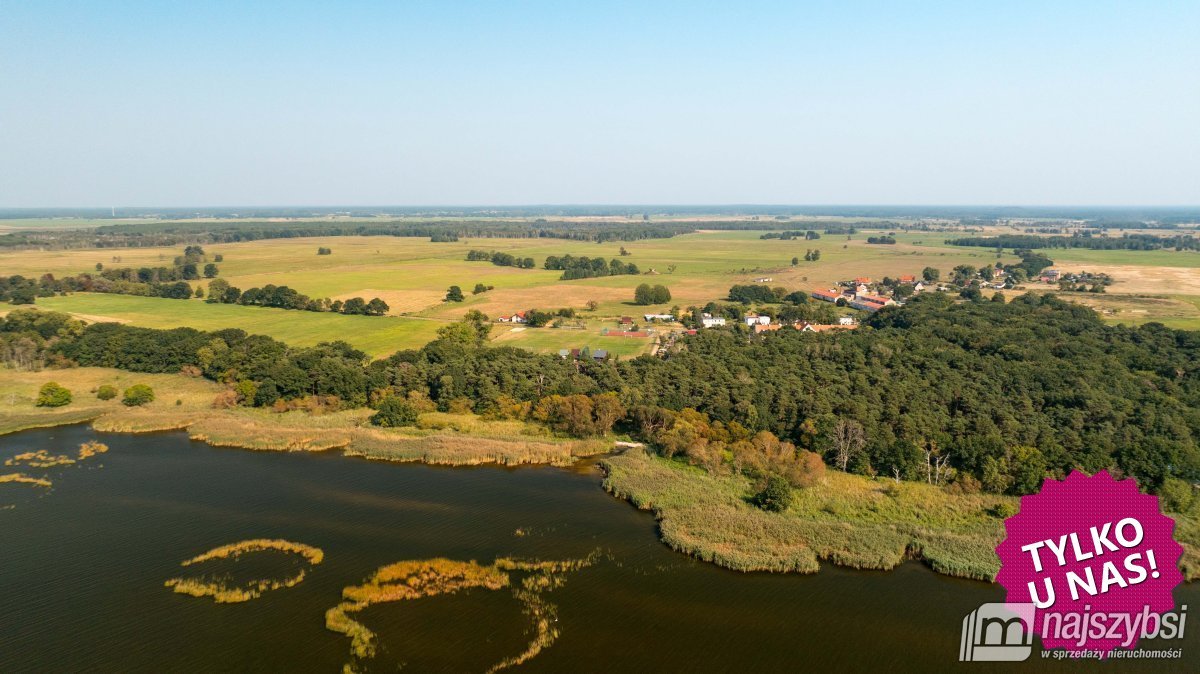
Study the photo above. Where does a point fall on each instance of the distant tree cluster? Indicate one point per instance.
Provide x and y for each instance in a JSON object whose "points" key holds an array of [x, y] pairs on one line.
{"points": [[324, 251], [881, 239], [170, 282], [500, 259], [283, 297], [573, 267], [646, 294], [789, 235], [443, 237], [756, 292]]}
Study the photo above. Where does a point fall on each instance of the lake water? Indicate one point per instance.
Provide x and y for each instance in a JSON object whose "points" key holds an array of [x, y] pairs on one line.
{"points": [[82, 568]]}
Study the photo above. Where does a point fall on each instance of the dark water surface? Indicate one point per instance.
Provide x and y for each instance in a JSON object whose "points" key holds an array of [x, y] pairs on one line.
{"points": [[82, 570]]}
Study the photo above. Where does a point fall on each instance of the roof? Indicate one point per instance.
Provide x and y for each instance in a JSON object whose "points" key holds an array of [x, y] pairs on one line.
{"points": [[875, 298], [600, 353], [908, 279], [826, 293], [765, 328], [521, 314], [862, 279]]}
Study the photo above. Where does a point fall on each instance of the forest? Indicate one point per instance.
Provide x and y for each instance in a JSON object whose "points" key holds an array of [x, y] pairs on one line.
{"points": [[981, 395], [1127, 242]]}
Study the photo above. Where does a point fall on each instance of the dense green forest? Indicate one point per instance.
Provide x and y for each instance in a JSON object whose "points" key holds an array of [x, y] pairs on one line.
{"points": [[985, 395], [1127, 242]]}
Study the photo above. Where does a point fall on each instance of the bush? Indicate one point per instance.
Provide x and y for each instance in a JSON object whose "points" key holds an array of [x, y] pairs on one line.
{"points": [[1003, 510], [1176, 495], [394, 412], [53, 395], [106, 392], [138, 395], [776, 496]]}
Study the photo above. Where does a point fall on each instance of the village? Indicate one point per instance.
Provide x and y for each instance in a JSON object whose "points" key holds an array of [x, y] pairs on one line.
{"points": [[763, 309]]}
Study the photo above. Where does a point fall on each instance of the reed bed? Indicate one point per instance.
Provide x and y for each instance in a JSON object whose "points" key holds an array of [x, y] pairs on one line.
{"points": [[39, 459], [21, 478], [408, 580], [847, 520], [91, 448], [223, 592]]}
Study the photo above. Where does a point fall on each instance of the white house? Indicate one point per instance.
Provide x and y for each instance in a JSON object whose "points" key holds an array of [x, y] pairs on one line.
{"points": [[846, 320], [752, 319], [710, 321]]}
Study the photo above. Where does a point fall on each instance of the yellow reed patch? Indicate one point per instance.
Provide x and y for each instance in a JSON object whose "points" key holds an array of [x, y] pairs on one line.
{"points": [[223, 592], [414, 579]]}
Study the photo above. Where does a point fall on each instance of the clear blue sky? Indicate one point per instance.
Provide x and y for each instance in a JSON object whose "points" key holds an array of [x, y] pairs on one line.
{"points": [[404, 103]]}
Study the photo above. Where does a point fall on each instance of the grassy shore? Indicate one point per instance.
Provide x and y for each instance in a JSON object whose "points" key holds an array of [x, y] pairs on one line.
{"points": [[185, 403], [848, 520]]}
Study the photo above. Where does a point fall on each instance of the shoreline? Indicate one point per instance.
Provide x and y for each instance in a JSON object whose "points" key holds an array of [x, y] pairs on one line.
{"points": [[848, 520]]}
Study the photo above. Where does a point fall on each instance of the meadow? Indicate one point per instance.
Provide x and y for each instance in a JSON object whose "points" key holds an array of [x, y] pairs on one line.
{"points": [[413, 274]]}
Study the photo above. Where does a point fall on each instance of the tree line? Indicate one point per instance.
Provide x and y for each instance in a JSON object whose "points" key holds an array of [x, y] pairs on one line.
{"points": [[500, 259], [283, 297], [574, 267], [1127, 242], [974, 395]]}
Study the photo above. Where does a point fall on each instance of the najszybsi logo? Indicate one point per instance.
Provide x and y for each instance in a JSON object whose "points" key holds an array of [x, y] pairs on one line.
{"points": [[997, 633], [1004, 632]]}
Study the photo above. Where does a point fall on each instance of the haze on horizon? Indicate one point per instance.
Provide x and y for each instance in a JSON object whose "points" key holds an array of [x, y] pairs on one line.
{"points": [[186, 104]]}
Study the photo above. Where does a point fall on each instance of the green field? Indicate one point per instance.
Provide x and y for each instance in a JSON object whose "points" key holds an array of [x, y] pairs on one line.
{"points": [[412, 274], [378, 336]]}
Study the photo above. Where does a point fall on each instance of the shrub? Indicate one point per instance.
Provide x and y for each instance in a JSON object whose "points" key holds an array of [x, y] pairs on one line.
{"points": [[138, 395], [776, 496], [1003, 510], [53, 395], [106, 392], [1176, 495], [394, 412]]}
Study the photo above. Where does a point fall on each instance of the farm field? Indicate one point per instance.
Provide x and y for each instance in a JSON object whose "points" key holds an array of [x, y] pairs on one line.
{"points": [[412, 274], [378, 336]]}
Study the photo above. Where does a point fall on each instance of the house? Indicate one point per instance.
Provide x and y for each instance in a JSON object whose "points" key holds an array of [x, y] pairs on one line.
{"points": [[862, 289], [627, 320], [763, 279], [1051, 275], [658, 317], [765, 327], [862, 280], [600, 354], [908, 280], [825, 295], [563, 353], [753, 319], [710, 321], [918, 286], [518, 317], [846, 320]]}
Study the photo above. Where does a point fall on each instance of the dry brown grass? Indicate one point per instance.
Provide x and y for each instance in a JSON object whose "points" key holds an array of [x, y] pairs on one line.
{"points": [[18, 393], [222, 592]]}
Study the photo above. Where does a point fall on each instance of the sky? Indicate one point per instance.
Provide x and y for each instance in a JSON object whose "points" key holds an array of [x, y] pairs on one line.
{"points": [[226, 103]]}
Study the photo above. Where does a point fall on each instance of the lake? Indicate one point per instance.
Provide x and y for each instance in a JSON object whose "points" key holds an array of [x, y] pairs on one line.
{"points": [[82, 568]]}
